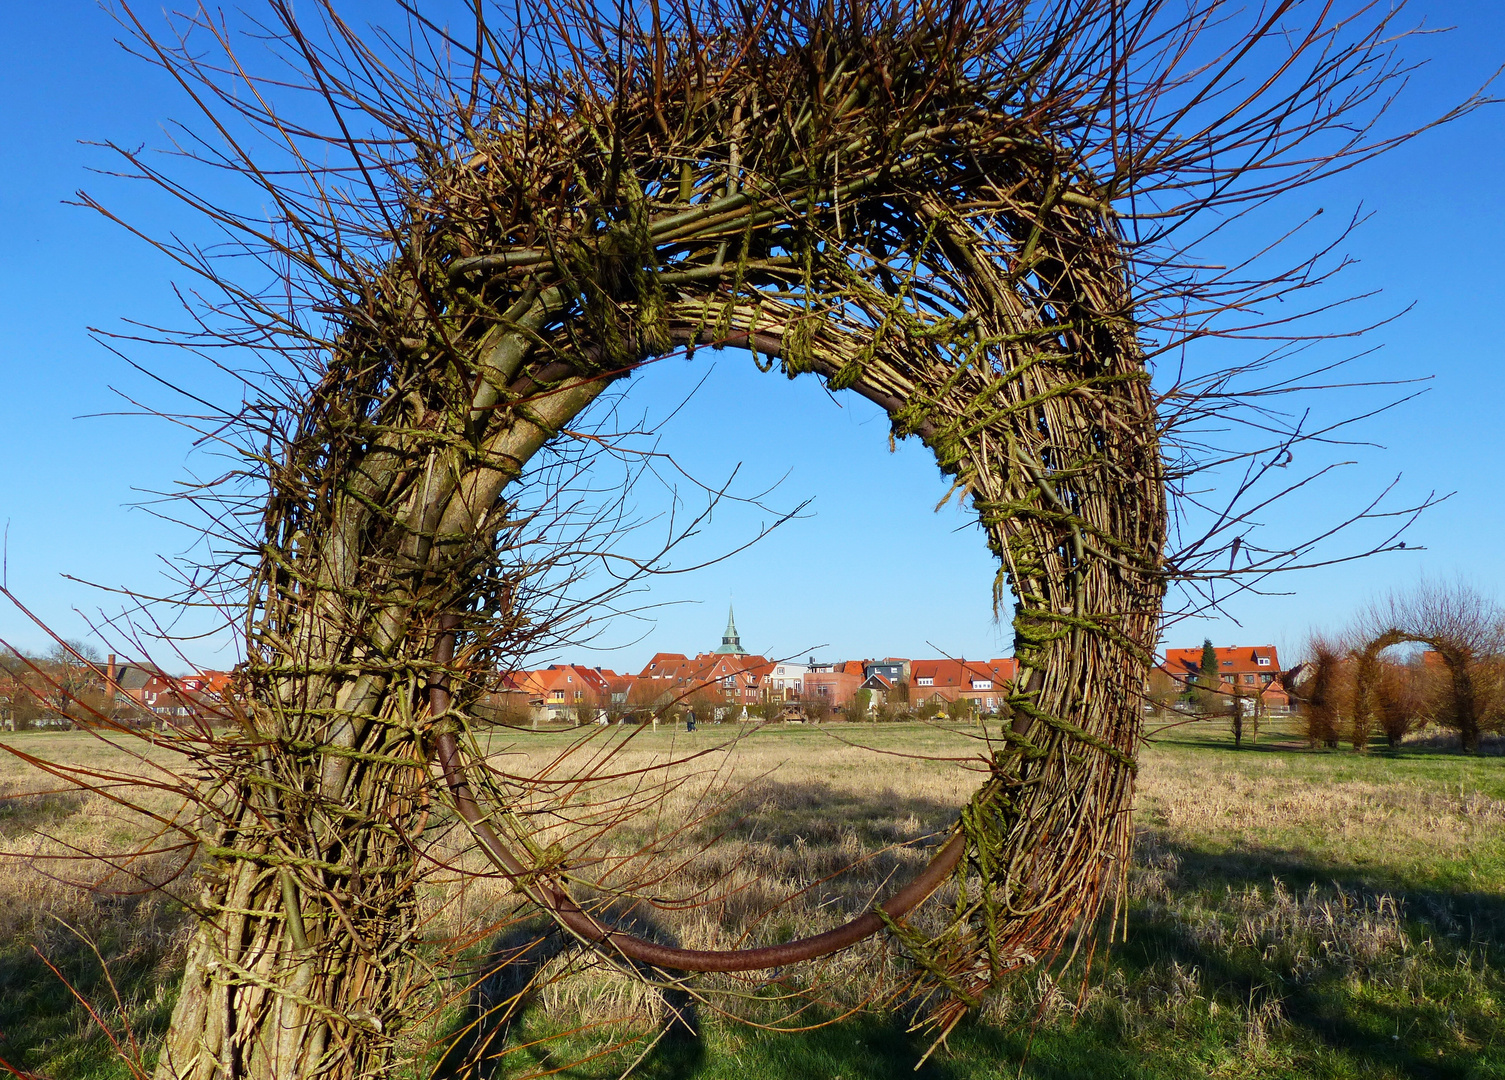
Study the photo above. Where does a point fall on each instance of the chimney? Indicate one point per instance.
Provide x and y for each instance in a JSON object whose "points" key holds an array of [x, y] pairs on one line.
{"points": [[111, 675]]}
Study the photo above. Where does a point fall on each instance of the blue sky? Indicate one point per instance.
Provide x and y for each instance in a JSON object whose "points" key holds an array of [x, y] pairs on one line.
{"points": [[869, 569]]}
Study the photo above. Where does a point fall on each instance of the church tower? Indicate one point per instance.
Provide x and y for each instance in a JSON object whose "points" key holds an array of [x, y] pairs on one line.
{"points": [[731, 642]]}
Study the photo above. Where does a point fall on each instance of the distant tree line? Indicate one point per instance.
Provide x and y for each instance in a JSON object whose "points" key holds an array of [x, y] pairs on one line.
{"points": [[55, 688]]}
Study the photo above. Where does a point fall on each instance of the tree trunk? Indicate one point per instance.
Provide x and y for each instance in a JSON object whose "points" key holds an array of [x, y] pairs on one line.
{"points": [[300, 965]]}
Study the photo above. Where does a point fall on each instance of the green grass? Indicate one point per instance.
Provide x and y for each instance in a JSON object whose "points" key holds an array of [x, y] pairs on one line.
{"points": [[1392, 794], [1292, 914], [43, 1026]]}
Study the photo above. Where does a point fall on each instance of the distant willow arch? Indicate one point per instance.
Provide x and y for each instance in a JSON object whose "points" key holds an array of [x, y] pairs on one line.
{"points": [[1455, 655]]}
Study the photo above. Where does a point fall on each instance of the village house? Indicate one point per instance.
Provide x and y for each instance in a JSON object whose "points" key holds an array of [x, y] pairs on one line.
{"points": [[565, 691], [882, 690], [141, 691], [834, 684], [729, 675], [785, 681], [893, 669], [985, 683], [1250, 672], [725, 682], [630, 697], [200, 695]]}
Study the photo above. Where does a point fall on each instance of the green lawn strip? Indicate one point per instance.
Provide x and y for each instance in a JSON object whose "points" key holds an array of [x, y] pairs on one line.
{"points": [[43, 1027]]}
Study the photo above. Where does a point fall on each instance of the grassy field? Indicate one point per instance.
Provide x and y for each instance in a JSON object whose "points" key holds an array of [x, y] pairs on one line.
{"points": [[1290, 914]]}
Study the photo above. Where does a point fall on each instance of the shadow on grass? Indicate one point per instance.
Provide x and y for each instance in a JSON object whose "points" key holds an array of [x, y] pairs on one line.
{"points": [[42, 1025], [882, 1048], [1439, 749], [1408, 1030], [489, 1040], [812, 812]]}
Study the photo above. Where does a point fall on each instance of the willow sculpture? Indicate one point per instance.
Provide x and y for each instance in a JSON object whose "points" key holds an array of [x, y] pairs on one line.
{"points": [[1348, 685], [966, 213]]}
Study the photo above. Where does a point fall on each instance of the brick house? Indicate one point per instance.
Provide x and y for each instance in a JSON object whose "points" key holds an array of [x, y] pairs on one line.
{"points": [[200, 694], [985, 683], [562, 691], [1248, 671], [834, 684], [736, 679]]}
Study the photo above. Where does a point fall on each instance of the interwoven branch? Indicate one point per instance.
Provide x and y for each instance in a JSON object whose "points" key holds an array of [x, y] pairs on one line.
{"points": [[904, 234], [966, 213]]}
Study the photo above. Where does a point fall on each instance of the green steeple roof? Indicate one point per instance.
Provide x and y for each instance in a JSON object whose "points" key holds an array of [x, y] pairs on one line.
{"points": [[731, 643]]}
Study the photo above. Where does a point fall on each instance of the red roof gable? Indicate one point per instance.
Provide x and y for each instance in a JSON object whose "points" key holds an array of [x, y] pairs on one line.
{"points": [[1239, 669], [676, 669], [664, 665], [567, 677], [206, 682], [1004, 668]]}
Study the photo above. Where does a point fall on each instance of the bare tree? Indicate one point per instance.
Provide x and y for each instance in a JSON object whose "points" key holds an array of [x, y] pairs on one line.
{"points": [[22, 691], [1162, 690], [817, 708], [1401, 699], [73, 671], [586, 709], [1323, 690]]}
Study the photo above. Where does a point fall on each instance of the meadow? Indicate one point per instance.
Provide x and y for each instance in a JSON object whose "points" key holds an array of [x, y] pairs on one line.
{"points": [[1289, 913]]}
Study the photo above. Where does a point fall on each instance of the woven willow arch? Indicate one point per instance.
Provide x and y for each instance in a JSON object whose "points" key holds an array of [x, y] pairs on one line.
{"points": [[1454, 653], [857, 209]]}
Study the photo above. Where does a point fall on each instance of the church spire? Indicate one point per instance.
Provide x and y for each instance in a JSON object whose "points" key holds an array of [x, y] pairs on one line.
{"points": [[731, 642]]}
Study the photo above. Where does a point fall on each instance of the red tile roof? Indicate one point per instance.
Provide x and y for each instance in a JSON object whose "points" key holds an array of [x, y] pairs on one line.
{"points": [[1004, 669], [565, 679], [745, 672], [1239, 666], [1236, 660], [956, 673]]}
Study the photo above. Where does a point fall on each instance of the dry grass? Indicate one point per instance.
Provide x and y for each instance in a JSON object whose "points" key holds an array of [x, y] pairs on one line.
{"points": [[1283, 906], [72, 898], [744, 836], [1325, 810]]}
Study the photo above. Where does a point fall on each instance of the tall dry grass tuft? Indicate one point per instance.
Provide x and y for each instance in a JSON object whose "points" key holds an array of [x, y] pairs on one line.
{"points": [[88, 961]]}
